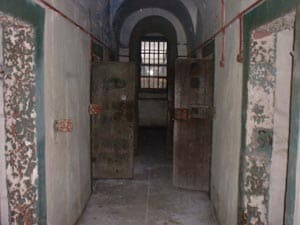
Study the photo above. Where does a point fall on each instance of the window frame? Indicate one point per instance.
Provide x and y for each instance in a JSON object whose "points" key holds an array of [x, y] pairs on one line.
{"points": [[153, 39]]}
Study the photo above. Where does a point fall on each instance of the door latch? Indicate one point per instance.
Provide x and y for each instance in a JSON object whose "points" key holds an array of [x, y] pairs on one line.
{"points": [[94, 109]]}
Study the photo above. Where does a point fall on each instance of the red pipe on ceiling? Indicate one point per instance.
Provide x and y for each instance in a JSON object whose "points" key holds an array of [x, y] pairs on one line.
{"points": [[221, 30], [93, 37]]}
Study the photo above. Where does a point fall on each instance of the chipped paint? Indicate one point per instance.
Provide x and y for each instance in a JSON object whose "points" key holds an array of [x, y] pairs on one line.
{"points": [[260, 121], [20, 120]]}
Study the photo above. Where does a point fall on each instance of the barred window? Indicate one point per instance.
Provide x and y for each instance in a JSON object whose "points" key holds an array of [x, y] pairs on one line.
{"points": [[154, 64]]}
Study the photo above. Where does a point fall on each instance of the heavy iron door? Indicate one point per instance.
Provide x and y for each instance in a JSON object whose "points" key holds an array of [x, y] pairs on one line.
{"points": [[193, 123], [113, 129]]}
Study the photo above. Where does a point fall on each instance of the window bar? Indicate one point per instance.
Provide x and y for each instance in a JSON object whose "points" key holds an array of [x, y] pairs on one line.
{"points": [[142, 67], [149, 62], [153, 64], [158, 64]]}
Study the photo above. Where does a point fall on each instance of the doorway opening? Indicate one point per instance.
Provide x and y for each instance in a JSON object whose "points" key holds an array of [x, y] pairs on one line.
{"points": [[151, 196], [152, 102]]}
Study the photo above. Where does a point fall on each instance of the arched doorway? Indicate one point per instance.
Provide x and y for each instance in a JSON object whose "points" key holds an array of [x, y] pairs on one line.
{"points": [[155, 105]]}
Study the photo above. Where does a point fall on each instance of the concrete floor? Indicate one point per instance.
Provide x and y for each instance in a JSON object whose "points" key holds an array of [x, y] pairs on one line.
{"points": [[149, 198]]}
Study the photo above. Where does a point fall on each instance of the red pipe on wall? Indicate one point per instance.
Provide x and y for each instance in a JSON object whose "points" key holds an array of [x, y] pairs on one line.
{"points": [[223, 11], [93, 37], [240, 57], [241, 14]]}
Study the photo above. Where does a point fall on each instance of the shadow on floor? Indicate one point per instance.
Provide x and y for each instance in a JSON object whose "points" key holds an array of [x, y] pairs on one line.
{"points": [[149, 198]]}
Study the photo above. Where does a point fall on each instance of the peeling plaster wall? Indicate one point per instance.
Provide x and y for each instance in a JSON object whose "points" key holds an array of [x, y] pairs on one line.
{"points": [[281, 126], [260, 128], [228, 104], [267, 123], [3, 184], [20, 120], [67, 91]]}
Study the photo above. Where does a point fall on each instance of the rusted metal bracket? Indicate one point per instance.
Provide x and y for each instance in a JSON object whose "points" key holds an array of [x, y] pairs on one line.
{"points": [[240, 57], [195, 112], [182, 114], [94, 109], [64, 125]]}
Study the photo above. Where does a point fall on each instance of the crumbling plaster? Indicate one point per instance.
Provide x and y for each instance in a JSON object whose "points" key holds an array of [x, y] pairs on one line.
{"points": [[226, 145], [261, 152], [228, 83], [20, 119], [278, 171], [228, 105]]}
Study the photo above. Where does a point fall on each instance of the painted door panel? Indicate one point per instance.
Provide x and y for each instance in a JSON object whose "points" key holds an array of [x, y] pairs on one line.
{"points": [[113, 130], [193, 123]]}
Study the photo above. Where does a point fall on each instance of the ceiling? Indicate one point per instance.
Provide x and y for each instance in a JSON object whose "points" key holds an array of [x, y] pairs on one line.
{"points": [[192, 14]]}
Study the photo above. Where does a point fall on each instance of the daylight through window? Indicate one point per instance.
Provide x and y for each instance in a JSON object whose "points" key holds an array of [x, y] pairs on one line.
{"points": [[153, 64]]}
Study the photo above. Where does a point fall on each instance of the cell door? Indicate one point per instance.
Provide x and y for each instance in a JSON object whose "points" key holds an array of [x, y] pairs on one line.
{"points": [[193, 123], [113, 130]]}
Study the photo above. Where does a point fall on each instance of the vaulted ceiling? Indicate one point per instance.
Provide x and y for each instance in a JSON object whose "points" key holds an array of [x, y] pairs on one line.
{"points": [[192, 14], [177, 9], [195, 16]]}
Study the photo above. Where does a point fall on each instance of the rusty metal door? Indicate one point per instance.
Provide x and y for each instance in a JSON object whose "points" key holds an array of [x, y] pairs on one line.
{"points": [[193, 123], [113, 91]]}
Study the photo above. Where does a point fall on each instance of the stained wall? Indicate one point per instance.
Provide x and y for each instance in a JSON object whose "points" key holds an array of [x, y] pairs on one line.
{"points": [[67, 96], [67, 90], [267, 125], [226, 129], [228, 105], [3, 184], [19, 105], [297, 68]]}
